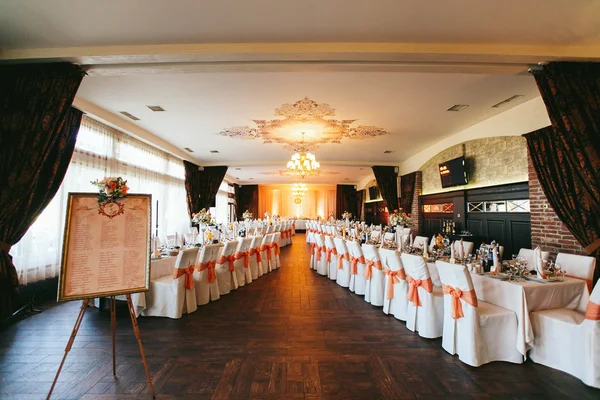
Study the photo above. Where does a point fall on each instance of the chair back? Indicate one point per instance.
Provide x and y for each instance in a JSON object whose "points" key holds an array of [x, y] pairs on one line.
{"points": [[455, 275], [208, 253], [256, 241], [244, 244], [329, 242], [376, 235], [370, 252], [186, 257], [577, 266], [415, 266], [276, 237], [229, 248], [406, 231], [528, 254], [340, 246], [390, 259], [467, 246], [354, 249], [319, 240], [170, 240], [266, 239], [420, 242]]}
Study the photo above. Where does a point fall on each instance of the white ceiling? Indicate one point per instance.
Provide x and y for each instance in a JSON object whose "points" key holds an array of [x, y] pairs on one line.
{"points": [[68, 23]]}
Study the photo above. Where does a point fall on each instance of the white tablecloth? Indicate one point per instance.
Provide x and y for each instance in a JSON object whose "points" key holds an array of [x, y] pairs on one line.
{"points": [[524, 297], [301, 224]]}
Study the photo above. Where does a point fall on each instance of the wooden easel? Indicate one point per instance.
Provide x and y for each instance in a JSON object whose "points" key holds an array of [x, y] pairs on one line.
{"points": [[113, 323]]}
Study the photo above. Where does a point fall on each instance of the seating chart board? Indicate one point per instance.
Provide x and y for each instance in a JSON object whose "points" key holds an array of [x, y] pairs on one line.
{"points": [[106, 247]]}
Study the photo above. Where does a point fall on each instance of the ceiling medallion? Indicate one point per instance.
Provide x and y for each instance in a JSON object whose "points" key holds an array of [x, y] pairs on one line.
{"points": [[307, 116]]}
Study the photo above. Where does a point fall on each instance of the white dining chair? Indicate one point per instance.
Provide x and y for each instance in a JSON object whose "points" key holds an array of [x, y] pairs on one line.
{"points": [[174, 295], [528, 255], [205, 277], [420, 242], [331, 257], [396, 287], [343, 263], [242, 262], [375, 278], [576, 266], [275, 250], [255, 258], [225, 269], [478, 332], [467, 246], [265, 253], [425, 312], [569, 340], [358, 282], [320, 254]]}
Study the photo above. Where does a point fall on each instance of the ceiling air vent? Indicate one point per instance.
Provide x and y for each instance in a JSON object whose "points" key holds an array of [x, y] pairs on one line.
{"points": [[133, 117], [214, 151], [238, 169], [458, 107], [156, 108], [503, 102], [188, 150]]}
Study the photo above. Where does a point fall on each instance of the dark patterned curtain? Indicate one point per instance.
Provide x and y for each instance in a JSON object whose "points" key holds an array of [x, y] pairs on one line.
{"points": [[38, 130], [566, 156], [407, 191], [345, 200], [248, 200], [202, 186], [360, 199], [387, 182]]}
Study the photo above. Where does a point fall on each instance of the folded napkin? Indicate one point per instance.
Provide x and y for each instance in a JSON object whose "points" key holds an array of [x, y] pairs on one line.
{"points": [[411, 240], [452, 253], [496, 266], [539, 263], [425, 254]]}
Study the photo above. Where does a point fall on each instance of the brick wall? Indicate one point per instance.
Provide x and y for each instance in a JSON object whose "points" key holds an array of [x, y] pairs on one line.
{"points": [[415, 212], [547, 231]]}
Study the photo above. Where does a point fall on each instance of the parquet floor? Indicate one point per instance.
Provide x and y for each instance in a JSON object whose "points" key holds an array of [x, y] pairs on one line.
{"points": [[290, 335]]}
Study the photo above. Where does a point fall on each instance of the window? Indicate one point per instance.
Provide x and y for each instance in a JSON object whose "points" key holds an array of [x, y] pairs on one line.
{"points": [[221, 210], [102, 151], [439, 208], [511, 206]]}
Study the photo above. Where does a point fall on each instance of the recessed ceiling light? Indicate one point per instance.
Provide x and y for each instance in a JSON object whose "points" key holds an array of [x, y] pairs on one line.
{"points": [[214, 151], [388, 152], [156, 108], [237, 177], [458, 107], [503, 102], [238, 169], [130, 116], [188, 150]]}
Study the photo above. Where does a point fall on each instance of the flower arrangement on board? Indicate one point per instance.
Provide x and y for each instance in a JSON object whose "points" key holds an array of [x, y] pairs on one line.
{"points": [[202, 217], [247, 215], [346, 215], [398, 217], [111, 188]]}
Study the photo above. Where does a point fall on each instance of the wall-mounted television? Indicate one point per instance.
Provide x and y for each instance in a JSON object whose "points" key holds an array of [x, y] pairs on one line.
{"points": [[453, 173], [374, 193]]}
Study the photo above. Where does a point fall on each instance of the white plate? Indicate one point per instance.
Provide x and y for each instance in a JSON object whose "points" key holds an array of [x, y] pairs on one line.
{"points": [[541, 280], [502, 277]]}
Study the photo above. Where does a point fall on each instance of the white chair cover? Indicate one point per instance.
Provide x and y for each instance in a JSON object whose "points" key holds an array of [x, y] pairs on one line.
{"points": [[205, 277], [358, 282], [343, 265], [275, 246], [375, 278], [265, 253], [331, 257], [467, 246], [242, 262], [425, 311], [255, 258], [569, 341], [173, 295], [396, 287], [320, 254], [226, 277], [528, 254], [420, 242], [478, 332], [580, 267]]}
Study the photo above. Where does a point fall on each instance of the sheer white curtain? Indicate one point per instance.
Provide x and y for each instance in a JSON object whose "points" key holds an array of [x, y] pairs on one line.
{"points": [[102, 151], [221, 210]]}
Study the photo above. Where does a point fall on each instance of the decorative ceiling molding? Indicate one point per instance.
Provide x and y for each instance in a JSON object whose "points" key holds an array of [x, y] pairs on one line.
{"points": [[286, 172], [305, 115]]}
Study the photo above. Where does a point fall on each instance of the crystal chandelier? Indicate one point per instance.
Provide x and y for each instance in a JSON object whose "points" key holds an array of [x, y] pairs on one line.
{"points": [[303, 163]]}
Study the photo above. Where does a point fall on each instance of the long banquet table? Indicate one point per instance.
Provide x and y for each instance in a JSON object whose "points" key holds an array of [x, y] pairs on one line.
{"points": [[523, 297]]}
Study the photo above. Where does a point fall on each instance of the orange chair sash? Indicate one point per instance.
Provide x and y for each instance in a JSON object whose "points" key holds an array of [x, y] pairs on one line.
{"points": [[257, 252], [393, 278], [592, 312], [188, 271], [413, 289], [230, 258], [354, 264], [320, 250], [210, 266], [457, 295], [368, 274], [342, 257], [267, 248], [329, 253], [243, 254], [589, 282], [276, 245], [312, 248]]}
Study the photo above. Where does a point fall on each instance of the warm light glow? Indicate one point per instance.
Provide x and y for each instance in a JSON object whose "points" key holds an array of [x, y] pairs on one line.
{"points": [[299, 189], [303, 163]]}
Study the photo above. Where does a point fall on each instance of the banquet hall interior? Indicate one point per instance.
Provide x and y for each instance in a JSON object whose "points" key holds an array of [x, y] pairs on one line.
{"points": [[333, 199]]}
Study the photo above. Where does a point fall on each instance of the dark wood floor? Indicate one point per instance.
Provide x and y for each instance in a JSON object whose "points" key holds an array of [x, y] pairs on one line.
{"points": [[290, 335]]}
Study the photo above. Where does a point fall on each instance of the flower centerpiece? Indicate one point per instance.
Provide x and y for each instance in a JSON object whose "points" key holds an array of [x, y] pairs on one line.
{"points": [[398, 217], [247, 215], [346, 215], [111, 188], [202, 217]]}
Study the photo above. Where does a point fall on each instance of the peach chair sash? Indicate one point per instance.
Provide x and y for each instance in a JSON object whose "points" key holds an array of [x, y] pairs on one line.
{"points": [[330, 252], [267, 248], [276, 246], [592, 311], [313, 246], [342, 257], [354, 264], [320, 249], [230, 258], [368, 274], [589, 282], [457, 295], [243, 254], [393, 278], [210, 266], [257, 252], [413, 289], [188, 271]]}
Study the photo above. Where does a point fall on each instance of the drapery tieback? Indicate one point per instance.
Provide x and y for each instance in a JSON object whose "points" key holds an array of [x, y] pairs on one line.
{"points": [[589, 249], [5, 246]]}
